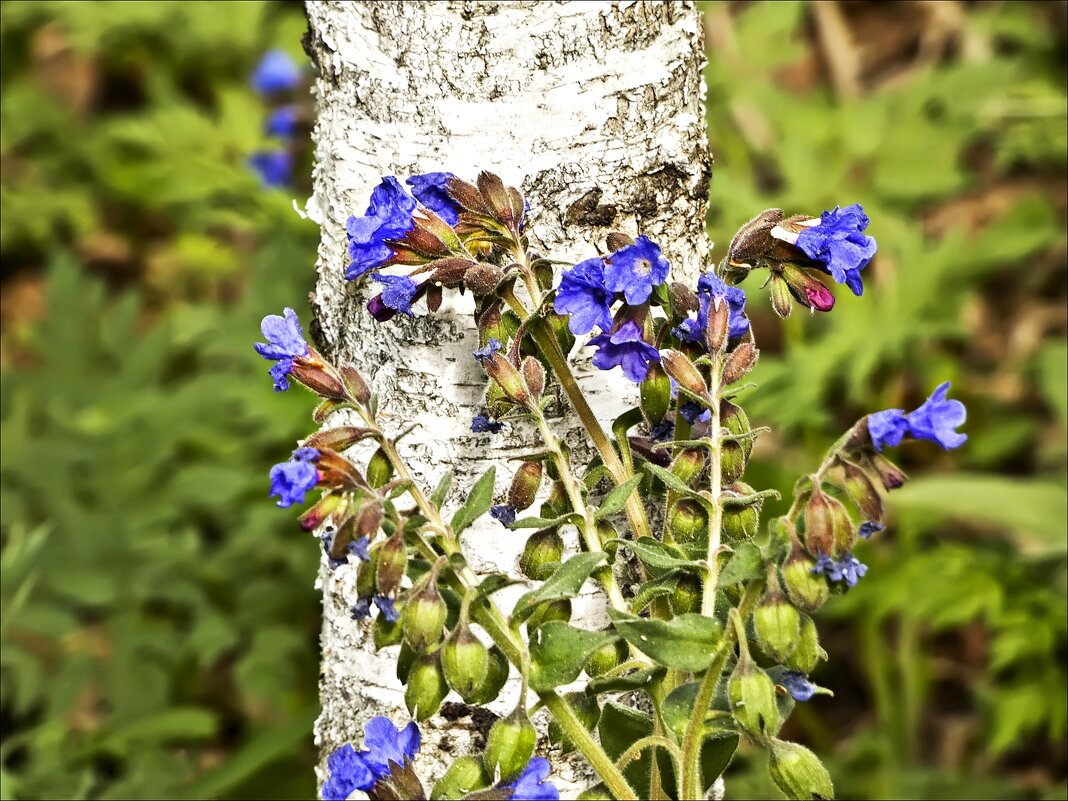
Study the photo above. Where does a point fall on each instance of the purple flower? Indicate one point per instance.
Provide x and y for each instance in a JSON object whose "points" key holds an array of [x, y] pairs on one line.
{"points": [[389, 216], [384, 747], [798, 685], [386, 608], [482, 424], [663, 430], [429, 189], [361, 610], [359, 548], [291, 480], [282, 122], [272, 166], [625, 348], [887, 428], [838, 240], [399, 292], [710, 287], [867, 528], [937, 418], [285, 342], [583, 295], [693, 412], [504, 513], [847, 569], [276, 72], [635, 269], [531, 784], [492, 347]]}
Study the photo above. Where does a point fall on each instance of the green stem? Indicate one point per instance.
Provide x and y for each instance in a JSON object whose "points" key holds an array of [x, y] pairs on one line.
{"points": [[715, 521], [653, 740]]}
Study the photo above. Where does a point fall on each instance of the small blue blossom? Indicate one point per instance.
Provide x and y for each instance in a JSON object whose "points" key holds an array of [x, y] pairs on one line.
{"points": [[937, 418], [276, 72], [532, 784], [399, 292], [359, 548], [504, 513], [291, 480], [285, 342], [492, 347], [583, 295], [663, 430], [482, 424], [347, 773], [272, 166], [848, 569], [384, 746], [709, 287], [635, 269], [387, 608], [282, 122], [887, 428], [389, 216], [429, 189], [625, 348], [328, 545], [361, 610], [798, 685], [840, 243], [694, 412], [869, 527]]}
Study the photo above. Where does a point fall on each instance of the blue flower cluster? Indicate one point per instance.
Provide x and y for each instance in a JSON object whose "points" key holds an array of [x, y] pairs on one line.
{"points": [[285, 342], [361, 610], [847, 569], [429, 189], [503, 513], [625, 348], [385, 747], [388, 216], [935, 420], [839, 242], [710, 289], [291, 480], [275, 74]]}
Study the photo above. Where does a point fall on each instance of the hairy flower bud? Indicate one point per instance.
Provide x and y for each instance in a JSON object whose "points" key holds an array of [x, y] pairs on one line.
{"points": [[807, 590], [586, 710], [525, 485], [862, 491], [318, 376], [828, 529], [505, 375], [688, 464], [686, 597], [534, 377], [510, 744], [482, 279], [424, 617], [548, 612], [464, 776], [777, 625], [678, 366], [807, 653], [322, 509], [655, 393], [740, 522], [369, 519], [496, 676], [889, 473], [606, 657], [366, 584], [688, 521], [392, 564], [617, 240], [355, 384], [752, 697], [734, 455], [781, 300], [719, 315], [387, 633], [740, 362], [542, 554], [464, 661], [426, 687], [379, 469], [753, 240], [797, 772]]}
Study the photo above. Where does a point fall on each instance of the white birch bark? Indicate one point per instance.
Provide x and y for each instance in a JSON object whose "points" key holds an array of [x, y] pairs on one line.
{"points": [[594, 109]]}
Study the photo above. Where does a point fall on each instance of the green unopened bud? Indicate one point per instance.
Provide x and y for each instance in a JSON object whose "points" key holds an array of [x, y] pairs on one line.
{"points": [[426, 687], [688, 521], [534, 376], [392, 563], [740, 362], [509, 745], [777, 626], [596, 793], [797, 772], [507, 377], [734, 454], [491, 325], [781, 300], [366, 585], [387, 633], [828, 529], [586, 710], [464, 661], [688, 464], [606, 657], [379, 470], [525, 485], [807, 590], [752, 697], [557, 503], [655, 393], [548, 612], [678, 365], [862, 491], [496, 676], [464, 775], [808, 653], [686, 597], [424, 617], [740, 522], [542, 554]]}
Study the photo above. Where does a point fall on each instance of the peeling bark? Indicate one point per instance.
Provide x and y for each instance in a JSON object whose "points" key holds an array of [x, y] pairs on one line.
{"points": [[596, 110]]}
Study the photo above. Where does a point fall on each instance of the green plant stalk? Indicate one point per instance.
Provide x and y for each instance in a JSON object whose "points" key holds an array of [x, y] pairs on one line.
{"points": [[652, 741], [715, 519], [600, 761], [690, 774]]}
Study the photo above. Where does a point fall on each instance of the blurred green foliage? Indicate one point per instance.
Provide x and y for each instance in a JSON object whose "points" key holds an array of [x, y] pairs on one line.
{"points": [[159, 629]]}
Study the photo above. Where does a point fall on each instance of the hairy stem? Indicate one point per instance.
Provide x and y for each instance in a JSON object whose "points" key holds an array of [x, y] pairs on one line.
{"points": [[715, 521]]}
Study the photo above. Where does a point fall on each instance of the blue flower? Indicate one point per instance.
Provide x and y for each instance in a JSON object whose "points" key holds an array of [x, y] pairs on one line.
{"points": [[798, 685], [328, 544], [694, 412], [361, 610], [583, 295], [291, 480], [869, 527], [276, 72], [531, 784], [492, 347], [386, 608], [285, 342], [389, 216], [429, 189], [504, 513], [625, 348], [272, 166], [359, 548], [887, 428], [709, 287], [663, 430], [282, 122], [384, 746], [847, 569], [937, 418], [840, 243], [399, 292], [482, 424], [635, 269]]}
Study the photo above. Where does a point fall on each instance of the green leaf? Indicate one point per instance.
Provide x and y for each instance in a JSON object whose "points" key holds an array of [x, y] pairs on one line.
{"points": [[437, 497], [633, 680], [615, 500], [494, 582], [478, 503], [619, 728], [558, 652], [745, 563], [656, 554], [656, 588], [565, 582], [546, 522], [670, 480], [1053, 377], [685, 642]]}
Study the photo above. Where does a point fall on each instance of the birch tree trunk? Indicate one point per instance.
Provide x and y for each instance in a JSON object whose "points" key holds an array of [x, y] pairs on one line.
{"points": [[594, 109]]}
